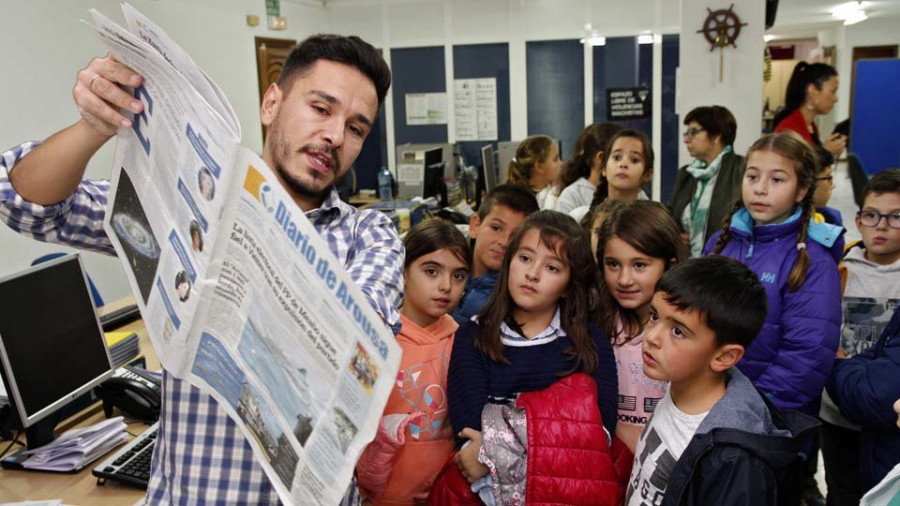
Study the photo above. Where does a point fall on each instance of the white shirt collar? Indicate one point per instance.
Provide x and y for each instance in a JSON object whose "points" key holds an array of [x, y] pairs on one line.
{"points": [[510, 337]]}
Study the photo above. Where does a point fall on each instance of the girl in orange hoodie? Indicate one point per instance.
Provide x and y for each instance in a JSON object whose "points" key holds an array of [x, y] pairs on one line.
{"points": [[415, 439]]}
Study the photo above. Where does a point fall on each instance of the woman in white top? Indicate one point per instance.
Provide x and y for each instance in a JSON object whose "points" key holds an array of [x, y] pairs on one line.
{"points": [[536, 166], [582, 171]]}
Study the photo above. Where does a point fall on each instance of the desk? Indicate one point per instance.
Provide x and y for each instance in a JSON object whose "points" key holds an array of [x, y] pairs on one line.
{"points": [[80, 488]]}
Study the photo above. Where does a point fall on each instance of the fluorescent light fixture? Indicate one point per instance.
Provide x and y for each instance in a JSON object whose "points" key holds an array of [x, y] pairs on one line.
{"points": [[768, 37], [594, 40], [855, 18], [851, 12]]}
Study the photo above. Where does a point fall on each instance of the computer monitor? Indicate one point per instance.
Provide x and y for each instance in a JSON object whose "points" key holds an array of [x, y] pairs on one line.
{"points": [[506, 151], [488, 170], [433, 184], [52, 348]]}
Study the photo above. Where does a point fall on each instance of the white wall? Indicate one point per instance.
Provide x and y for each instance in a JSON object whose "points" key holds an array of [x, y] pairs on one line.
{"points": [[43, 44], [741, 89]]}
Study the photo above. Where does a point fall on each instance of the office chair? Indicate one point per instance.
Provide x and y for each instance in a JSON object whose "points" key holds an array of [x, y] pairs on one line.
{"points": [[98, 299]]}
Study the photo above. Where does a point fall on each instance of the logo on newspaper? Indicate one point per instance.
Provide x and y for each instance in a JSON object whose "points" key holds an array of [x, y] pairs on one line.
{"points": [[256, 185]]}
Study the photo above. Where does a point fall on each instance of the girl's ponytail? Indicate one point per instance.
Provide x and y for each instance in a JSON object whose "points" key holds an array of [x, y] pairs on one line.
{"points": [[725, 236], [515, 174], [798, 273], [601, 193], [532, 150]]}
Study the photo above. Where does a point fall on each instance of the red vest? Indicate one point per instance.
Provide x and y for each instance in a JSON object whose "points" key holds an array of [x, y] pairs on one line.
{"points": [[569, 459]]}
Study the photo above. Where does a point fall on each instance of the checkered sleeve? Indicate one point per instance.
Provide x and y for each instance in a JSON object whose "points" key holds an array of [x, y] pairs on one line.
{"points": [[76, 221], [377, 266]]}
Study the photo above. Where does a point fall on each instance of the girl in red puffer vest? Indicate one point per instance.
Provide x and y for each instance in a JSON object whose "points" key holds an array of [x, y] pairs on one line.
{"points": [[533, 333]]}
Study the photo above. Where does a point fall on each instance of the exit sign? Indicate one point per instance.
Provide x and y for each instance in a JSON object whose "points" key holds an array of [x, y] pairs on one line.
{"points": [[273, 7]]}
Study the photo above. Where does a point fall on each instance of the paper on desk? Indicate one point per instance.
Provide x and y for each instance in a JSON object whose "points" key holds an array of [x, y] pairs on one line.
{"points": [[76, 448], [50, 502], [4, 397]]}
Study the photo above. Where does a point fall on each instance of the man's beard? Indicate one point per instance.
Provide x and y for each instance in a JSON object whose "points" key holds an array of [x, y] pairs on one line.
{"points": [[297, 186], [294, 183]]}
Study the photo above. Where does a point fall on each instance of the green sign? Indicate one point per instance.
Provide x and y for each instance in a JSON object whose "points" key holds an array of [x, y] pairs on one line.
{"points": [[273, 7]]}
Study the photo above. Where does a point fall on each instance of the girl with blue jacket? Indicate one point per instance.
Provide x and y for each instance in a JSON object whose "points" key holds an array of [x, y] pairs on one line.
{"points": [[772, 231]]}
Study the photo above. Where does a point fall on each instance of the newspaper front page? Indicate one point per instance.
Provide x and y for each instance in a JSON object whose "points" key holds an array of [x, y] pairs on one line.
{"points": [[239, 293]]}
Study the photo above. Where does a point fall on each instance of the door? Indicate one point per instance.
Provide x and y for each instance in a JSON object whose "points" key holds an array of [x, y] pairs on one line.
{"points": [[270, 57]]}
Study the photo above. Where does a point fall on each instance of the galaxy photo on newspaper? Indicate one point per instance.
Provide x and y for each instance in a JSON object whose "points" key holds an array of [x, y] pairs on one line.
{"points": [[130, 224]]}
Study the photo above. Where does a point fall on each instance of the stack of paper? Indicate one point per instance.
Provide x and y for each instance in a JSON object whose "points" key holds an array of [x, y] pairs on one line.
{"points": [[78, 447], [123, 346], [4, 397]]}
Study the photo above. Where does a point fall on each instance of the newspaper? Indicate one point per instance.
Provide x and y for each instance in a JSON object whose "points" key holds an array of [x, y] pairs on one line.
{"points": [[240, 295]]}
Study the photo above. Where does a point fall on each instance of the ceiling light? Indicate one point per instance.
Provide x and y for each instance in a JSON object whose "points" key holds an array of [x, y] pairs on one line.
{"points": [[851, 12], [768, 37], [645, 39], [855, 18], [594, 40]]}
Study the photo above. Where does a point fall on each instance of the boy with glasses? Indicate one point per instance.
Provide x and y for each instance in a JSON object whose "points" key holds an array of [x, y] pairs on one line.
{"points": [[870, 272]]}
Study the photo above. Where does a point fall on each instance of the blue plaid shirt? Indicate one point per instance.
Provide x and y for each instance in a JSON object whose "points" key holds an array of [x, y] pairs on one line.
{"points": [[201, 456]]}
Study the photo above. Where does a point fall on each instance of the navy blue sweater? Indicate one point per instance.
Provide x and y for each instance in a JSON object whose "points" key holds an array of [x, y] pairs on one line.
{"points": [[473, 378]]}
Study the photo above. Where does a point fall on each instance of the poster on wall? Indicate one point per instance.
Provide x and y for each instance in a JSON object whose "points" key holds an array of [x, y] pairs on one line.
{"points": [[628, 103], [475, 109], [426, 108]]}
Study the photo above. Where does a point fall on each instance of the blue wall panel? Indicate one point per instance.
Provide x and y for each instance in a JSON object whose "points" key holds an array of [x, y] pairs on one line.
{"points": [[416, 70], [876, 115], [671, 136], [555, 80], [622, 63], [373, 154], [479, 61]]}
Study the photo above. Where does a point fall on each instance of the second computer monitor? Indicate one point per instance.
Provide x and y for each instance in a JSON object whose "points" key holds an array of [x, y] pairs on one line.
{"points": [[52, 349], [433, 180], [488, 169]]}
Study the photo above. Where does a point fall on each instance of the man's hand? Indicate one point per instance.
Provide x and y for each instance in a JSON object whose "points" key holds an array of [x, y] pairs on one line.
{"points": [[98, 95], [835, 144], [467, 458], [841, 353]]}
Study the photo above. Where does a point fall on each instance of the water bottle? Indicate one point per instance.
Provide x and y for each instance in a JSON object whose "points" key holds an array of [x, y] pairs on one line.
{"points": [[385, 190]]}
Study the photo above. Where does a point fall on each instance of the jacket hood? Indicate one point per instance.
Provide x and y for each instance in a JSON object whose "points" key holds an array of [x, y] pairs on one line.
{"points": [[857, 256], [823, 233], [438, 331], [746, 419]]}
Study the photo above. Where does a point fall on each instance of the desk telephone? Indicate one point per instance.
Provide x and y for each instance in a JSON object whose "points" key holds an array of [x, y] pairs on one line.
{"points": [[134, 391]]}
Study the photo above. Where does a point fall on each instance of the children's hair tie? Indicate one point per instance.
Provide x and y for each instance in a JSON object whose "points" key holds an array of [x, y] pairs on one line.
{"points": [[801, 246]]}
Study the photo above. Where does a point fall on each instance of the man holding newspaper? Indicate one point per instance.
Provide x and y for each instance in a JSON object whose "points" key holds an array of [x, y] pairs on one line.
{"points": [[318, 113]]}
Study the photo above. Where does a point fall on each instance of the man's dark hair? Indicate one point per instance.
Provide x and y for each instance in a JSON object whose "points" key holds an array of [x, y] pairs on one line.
{"points": [[517, 198], [716, 120], [842, 128], [351, 51], [725, 292], [886, 181]]}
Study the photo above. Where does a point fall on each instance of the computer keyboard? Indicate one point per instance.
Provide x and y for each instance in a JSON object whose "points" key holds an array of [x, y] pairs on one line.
{"points": [[131, 464]]}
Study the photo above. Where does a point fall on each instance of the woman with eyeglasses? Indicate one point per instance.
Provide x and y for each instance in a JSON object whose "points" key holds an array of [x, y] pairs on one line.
{"points": [[811, 92], [706, 189]]}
